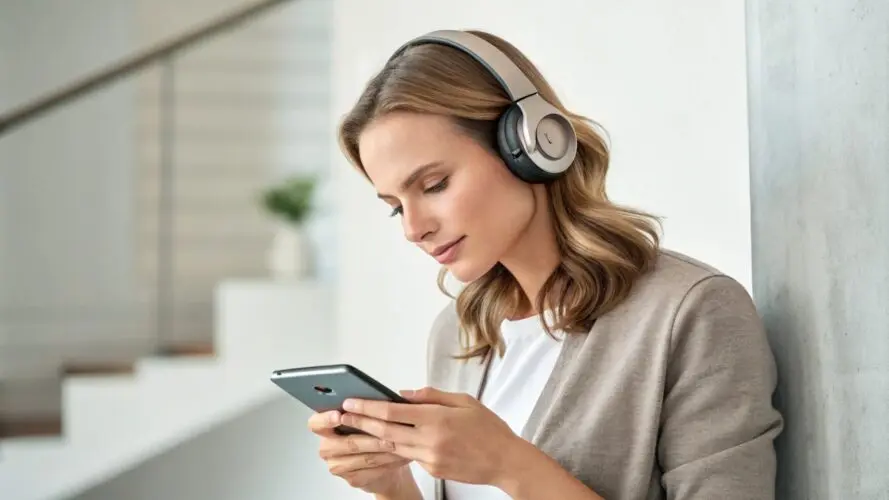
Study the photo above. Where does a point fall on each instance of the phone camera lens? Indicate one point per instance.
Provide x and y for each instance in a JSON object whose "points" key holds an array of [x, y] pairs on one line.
{"points": [[323, 390]]}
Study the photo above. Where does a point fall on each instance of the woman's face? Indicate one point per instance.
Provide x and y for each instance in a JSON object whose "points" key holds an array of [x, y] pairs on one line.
{"points": [[456, 199]]}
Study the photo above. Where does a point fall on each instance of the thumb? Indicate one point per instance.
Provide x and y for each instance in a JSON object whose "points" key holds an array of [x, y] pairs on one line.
{"points": [[431, 395]]}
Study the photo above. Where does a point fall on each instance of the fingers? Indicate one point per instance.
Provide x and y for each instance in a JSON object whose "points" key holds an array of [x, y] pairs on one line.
{"points": [[340, 466], [412, 453], [403, 413], [364, 478], [386, 431], [424, 403], [431, 395], [352, 445], [324, 423]]}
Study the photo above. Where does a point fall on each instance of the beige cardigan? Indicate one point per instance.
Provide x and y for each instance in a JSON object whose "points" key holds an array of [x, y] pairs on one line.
{"points": [[668, 396]]}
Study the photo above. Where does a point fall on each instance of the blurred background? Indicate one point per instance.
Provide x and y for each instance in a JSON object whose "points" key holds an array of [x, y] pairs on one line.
{"points": [[176, 220]]}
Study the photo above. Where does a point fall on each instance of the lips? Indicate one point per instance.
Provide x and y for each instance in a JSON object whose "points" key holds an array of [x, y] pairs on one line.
{"points": [[444, 248], [447, 252]]}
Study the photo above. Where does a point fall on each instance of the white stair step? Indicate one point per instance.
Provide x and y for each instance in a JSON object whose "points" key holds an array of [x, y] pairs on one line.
{"points": [[114, 422]]}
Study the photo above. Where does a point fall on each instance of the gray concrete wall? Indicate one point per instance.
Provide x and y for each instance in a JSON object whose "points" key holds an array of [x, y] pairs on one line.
{"points": [[819, 132]]}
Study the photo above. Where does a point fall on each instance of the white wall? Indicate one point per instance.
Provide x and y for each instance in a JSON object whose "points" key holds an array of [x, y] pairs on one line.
{"points": [[667, 79]]}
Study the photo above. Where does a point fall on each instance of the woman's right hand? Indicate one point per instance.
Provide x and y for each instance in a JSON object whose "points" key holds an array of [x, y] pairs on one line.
{"points": [[365, 462]]}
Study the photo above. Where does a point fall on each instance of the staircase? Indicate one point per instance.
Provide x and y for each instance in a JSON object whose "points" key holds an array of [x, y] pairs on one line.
{"points": [[113, 422], [97, 375]]}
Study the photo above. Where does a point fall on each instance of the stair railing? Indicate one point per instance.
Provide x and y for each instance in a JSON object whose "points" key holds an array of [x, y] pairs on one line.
{"points": [[164, 57]]}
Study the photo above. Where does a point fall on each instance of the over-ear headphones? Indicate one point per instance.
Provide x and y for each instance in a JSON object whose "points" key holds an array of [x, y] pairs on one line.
{"points": [[536, 141]]}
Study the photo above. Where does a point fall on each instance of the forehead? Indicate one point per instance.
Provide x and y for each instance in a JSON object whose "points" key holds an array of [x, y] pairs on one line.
{"points": [[392, 146]]}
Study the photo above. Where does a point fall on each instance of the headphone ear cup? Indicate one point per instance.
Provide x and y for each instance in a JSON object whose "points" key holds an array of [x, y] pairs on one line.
{"points": [[513, 153]]}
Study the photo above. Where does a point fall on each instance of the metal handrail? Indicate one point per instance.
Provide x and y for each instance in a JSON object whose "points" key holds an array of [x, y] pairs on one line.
{"points": [[22, 114]]}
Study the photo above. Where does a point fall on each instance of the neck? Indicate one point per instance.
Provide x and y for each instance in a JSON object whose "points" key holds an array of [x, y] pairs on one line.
{"points": [[534, 257]]}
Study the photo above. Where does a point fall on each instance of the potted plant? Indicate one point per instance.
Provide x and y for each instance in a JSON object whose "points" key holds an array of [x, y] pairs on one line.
{"points": [[290, 202]]}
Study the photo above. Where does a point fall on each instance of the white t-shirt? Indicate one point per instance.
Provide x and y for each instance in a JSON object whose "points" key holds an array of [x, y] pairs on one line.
{"points": [[513, 386]]}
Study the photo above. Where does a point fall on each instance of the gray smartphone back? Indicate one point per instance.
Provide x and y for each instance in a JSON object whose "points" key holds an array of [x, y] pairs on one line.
{"points": [[324, 388]]}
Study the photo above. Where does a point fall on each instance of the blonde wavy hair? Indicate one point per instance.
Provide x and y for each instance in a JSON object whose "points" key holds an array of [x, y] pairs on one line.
{"points": [[604, 247]]}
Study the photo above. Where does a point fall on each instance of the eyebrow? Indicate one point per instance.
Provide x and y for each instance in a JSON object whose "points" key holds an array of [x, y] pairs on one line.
{"points": [[416, 174]]}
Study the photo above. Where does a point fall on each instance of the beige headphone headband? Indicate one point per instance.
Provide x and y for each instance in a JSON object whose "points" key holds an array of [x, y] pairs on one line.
{"points": [[511, 78]]}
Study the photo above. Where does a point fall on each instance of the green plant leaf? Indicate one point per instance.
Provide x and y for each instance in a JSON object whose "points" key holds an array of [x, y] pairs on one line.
{"points": [[290, 199]]}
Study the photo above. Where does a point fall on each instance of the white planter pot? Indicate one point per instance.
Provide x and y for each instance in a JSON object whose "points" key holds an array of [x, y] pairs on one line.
{"points": [[289, 256]]}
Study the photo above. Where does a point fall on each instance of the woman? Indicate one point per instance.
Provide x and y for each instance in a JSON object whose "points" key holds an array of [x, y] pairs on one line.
{"points": [[580, 360]]}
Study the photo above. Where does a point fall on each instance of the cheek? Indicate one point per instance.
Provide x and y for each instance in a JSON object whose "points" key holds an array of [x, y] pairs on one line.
{"points": [[464, 206], [495, 217], [493, 213], [501, 212], [476, 203]]}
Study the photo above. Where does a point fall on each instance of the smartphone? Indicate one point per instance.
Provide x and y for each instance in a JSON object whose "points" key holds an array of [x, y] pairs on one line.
{"points": [[325, 387]]}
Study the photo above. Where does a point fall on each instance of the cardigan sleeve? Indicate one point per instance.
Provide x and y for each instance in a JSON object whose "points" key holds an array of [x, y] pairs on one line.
{"points": [[718, 421]]}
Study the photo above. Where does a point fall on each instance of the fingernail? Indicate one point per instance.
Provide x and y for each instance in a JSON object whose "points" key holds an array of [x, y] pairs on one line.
{"points": [[349, 405], [408, 393], [334, 418]]}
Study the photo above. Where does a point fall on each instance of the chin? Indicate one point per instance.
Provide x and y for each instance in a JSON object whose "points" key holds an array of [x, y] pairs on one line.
{"points": [[468, 271]]}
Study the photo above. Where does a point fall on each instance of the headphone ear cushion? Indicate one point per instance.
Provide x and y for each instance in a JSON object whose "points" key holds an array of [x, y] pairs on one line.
{"points": [[511, 151]]}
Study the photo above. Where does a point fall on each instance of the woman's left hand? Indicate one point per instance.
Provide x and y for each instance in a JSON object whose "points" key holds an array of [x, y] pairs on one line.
{"points": [[454, 436]]}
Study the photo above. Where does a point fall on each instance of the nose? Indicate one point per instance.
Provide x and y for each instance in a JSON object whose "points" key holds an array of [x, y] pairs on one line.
{"points": [[417, 225]]}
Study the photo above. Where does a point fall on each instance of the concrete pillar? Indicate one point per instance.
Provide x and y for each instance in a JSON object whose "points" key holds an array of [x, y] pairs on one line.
{"points": [[819, 135]]}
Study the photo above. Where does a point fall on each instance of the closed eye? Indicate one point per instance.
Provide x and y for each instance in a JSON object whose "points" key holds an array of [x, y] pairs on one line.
{"points": [[435, 188], [438, 187]]}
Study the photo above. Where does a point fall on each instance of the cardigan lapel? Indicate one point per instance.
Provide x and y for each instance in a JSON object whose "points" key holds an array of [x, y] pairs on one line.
{"points": [[571, 345], [473, 376], [477, 375]]}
